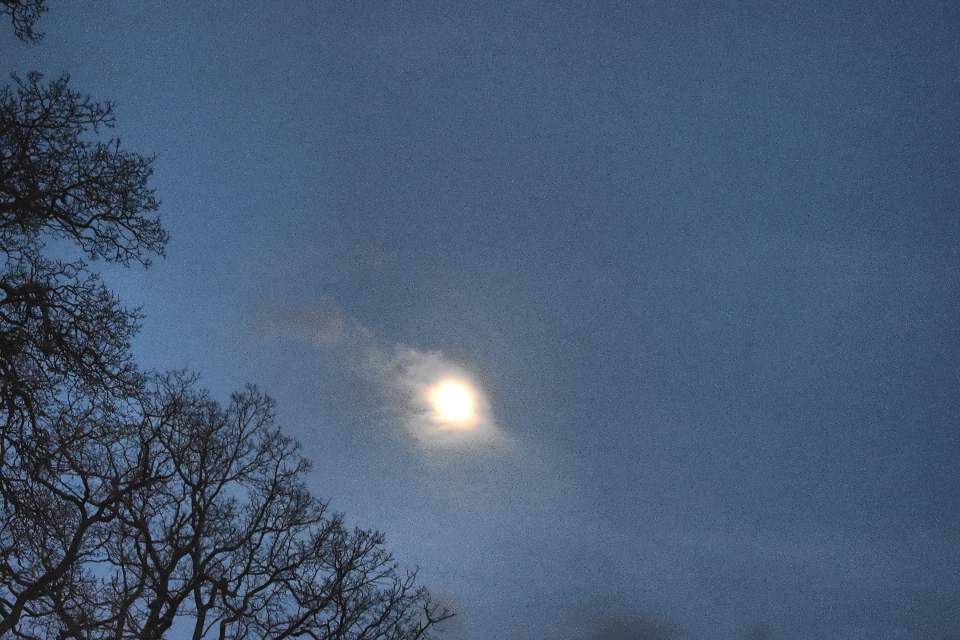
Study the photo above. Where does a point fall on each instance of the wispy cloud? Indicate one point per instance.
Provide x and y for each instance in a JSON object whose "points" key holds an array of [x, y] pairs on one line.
{"points": [[323, 326], [410, 375], [404, 377]]}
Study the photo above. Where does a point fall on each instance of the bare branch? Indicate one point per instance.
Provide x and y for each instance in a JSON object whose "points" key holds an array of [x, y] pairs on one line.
{"points": [[24, 15]]}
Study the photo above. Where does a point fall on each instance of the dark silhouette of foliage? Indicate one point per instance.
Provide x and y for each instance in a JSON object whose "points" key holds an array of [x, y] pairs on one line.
{"points": [[57, 321], [232, 539], [68, 388], [210, 525], [56, 182], [63, 479], [24, 15], [133, 505]]}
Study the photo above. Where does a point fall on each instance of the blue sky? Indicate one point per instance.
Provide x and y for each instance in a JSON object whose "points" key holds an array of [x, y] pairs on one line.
{"points": [[702, 261]]}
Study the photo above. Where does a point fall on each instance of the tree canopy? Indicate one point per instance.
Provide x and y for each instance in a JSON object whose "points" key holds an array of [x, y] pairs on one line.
{"points": [[68, 387], [133, 503]]}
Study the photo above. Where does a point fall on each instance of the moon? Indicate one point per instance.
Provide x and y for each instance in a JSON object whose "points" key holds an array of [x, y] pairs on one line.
{"points": [[454, 404]]}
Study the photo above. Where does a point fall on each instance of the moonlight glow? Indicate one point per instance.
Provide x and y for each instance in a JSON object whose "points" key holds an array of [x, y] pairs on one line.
{"points": [[454, 403], [439, 403]]}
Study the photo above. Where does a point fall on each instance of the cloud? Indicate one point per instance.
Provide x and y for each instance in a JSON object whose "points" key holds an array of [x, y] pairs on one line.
{"points": [[403, 377], [409, 375], [323, 326]]}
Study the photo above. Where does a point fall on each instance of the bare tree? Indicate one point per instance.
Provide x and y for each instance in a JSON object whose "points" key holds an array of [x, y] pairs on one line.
{"points": [[233, 541], [62, 485], [24, 15], [215, 534], [56, 182], [57, 321], [132, 505], [67, 384]]}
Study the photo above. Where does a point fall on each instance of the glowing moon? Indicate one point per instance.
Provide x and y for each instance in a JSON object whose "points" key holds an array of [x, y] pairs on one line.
{"points": [[439, 403], [454, 403]]}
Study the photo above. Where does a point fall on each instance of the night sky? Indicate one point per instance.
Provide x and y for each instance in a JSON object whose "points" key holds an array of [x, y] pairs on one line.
{"points": [[699, 261]]}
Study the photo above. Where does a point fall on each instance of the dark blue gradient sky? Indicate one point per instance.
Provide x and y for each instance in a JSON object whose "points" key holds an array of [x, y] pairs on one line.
{"points": [[703, 259]]}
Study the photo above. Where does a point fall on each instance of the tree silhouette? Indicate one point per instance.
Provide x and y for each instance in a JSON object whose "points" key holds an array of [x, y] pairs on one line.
{"points": [[214, 528], [133, 504], [232, 539], [24, 15], [68, 388]]}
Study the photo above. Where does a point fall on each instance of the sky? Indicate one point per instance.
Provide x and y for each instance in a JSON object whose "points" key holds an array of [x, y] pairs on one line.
{"points": [[698, 264]]}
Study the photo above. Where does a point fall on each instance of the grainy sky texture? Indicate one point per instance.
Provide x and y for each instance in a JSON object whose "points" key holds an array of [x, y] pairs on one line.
{"points": [[702, 260]]}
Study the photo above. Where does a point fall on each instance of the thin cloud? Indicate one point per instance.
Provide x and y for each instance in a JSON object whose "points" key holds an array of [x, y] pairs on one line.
{"points": [[409, 375], [404, 377], [323, 326]]}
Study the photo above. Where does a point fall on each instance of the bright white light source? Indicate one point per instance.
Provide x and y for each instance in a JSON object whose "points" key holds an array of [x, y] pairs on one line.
{"points": [[454, 403], [440, 403]]}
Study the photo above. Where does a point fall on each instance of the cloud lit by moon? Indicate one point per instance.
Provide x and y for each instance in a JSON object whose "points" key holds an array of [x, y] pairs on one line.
{"points": [[438, 403]]}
